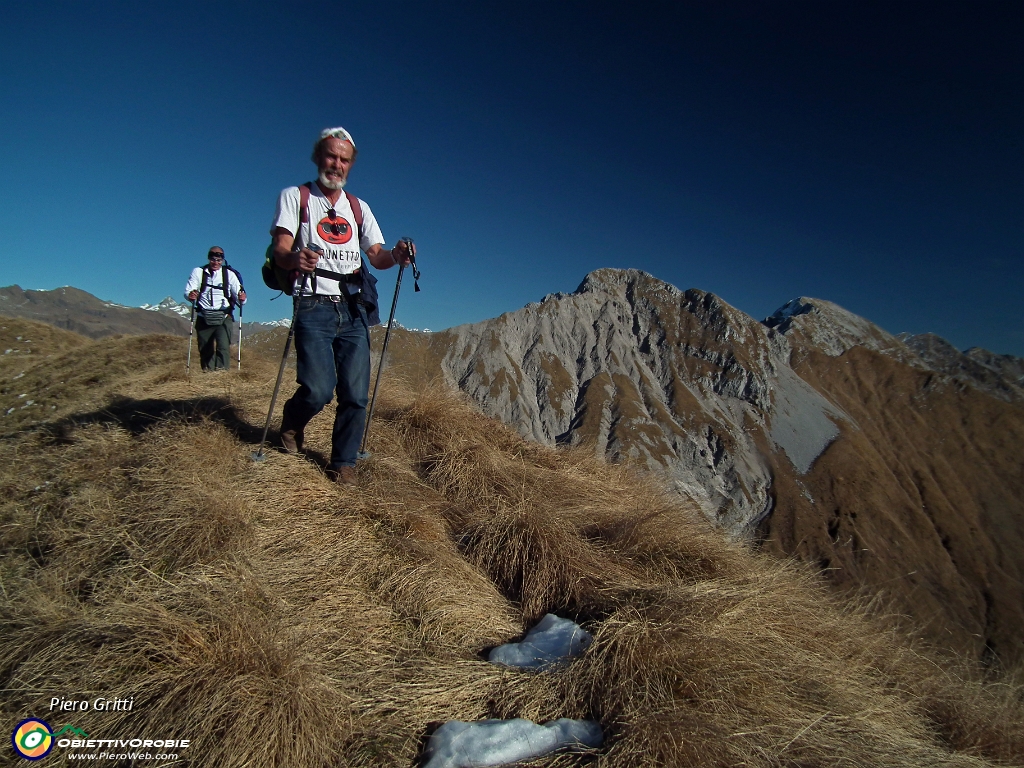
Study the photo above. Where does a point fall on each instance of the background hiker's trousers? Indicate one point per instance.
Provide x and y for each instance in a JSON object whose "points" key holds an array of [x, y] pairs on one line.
{"points": [[214, 344]]}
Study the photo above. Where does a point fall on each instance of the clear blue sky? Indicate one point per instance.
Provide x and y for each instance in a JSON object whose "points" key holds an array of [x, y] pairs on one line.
{"points": [[867, 153]]}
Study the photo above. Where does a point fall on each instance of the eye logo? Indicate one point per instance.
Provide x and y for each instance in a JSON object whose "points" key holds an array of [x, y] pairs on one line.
{"points": [[334, 229], [32, 739]]}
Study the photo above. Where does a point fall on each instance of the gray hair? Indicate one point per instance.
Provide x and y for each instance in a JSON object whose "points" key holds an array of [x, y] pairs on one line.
{"points": [[334, 133]]}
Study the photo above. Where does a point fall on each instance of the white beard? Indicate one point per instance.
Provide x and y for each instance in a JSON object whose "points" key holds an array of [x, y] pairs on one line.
{"points": [[330, 184]]}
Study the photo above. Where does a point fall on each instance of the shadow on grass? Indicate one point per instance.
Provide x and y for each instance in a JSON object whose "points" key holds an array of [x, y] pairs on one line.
{"points": [[138, 416]]}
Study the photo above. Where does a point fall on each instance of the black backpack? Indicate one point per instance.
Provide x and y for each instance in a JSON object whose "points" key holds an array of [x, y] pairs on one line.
{"points": [[223, 287]]}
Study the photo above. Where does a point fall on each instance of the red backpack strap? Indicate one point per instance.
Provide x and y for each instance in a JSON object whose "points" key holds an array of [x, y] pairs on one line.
{"points": [[304, 190], [357, 213], [304, 203]]}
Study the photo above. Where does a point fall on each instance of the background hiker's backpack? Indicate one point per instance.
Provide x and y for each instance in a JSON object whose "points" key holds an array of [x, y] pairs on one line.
{"points": [[224, 285], [238, 275]]}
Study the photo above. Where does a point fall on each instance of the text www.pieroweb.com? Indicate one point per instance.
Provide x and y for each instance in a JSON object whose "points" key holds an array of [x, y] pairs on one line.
{"points": [[163, 756]]}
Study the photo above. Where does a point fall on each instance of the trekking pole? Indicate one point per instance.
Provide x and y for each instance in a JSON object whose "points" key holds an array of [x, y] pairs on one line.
{"points": [[240, 305], [363, 454], [191, 328], [259, 455]]}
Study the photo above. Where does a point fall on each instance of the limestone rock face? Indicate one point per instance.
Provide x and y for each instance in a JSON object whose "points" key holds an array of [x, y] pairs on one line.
{"points": [[637, 370]]}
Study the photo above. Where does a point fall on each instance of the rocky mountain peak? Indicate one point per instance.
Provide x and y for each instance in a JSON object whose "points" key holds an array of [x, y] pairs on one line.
{"points": [[816, 430], [609, 280], [826, 327], [169, 306], [678, 381]]}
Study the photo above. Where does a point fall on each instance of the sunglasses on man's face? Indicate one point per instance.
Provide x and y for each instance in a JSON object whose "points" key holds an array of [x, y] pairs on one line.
{"points": [[216, 257]]}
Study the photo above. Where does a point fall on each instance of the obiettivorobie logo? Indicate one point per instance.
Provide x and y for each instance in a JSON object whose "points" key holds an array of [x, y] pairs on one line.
{"points": [[33, 738]]}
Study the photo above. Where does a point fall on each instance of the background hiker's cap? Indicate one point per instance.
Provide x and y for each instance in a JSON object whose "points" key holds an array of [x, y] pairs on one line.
{"points": [[337, 133]]}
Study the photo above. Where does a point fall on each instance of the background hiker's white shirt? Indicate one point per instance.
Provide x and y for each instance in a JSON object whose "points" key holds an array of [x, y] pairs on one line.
{"points": [[341, 251], [213, 297]]}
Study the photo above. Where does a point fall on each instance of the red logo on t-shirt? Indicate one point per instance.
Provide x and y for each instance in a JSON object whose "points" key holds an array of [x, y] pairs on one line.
{"points": [[335, 231]]}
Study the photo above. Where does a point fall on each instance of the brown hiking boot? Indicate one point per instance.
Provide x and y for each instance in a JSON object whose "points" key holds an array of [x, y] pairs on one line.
{"points": [[291, 440], [343, 475]]}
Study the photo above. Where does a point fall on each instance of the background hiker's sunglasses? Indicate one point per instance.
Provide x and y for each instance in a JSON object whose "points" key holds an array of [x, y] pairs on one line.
{"points": [[216, 257]]}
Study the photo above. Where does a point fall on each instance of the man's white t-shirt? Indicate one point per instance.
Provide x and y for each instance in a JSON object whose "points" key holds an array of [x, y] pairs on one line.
{"points": [[336, 236]]}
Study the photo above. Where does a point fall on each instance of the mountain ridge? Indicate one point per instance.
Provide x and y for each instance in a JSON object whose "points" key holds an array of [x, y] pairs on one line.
{"points": [[76, 310]]}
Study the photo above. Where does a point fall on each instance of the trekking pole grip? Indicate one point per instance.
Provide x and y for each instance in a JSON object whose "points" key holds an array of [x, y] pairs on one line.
{"points": [[412, 259]]}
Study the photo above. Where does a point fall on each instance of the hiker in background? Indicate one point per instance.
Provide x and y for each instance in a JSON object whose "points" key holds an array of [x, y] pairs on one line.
{"points": [[216, 290], [335, 298]]}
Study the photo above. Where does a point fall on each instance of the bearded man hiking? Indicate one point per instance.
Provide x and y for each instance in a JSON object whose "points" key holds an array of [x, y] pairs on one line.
{"points": [[317, 235]]}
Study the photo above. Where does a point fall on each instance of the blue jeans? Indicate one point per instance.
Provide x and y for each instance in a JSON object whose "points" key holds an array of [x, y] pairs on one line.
{"points": [[332, 348]]}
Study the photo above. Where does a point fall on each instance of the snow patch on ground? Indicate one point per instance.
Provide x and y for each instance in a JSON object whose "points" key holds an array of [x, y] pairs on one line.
{"points": [[552, 641], [457, 744], [802, 420]]}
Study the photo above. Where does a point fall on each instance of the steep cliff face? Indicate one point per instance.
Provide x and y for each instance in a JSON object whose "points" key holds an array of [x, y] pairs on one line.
{"points": [[638, 370], [891, 463]]}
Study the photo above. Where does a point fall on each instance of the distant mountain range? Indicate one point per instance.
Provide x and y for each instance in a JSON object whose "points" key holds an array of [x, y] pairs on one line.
{"points": [[892, 464], [81, 312], [173, 308]]}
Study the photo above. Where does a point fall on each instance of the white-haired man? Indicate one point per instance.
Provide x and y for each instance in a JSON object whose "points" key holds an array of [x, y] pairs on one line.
{"points": [[335, 296]]}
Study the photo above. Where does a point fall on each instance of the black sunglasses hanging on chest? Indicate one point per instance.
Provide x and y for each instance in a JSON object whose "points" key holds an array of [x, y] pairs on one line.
{"points": [[337, 228]]}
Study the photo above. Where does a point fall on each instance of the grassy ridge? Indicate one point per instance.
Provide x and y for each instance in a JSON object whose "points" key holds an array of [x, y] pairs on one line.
{"points": [[276, 620]]}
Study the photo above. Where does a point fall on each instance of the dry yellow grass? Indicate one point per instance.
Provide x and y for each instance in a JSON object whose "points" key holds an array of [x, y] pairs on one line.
{"points": [[277, 620]]}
